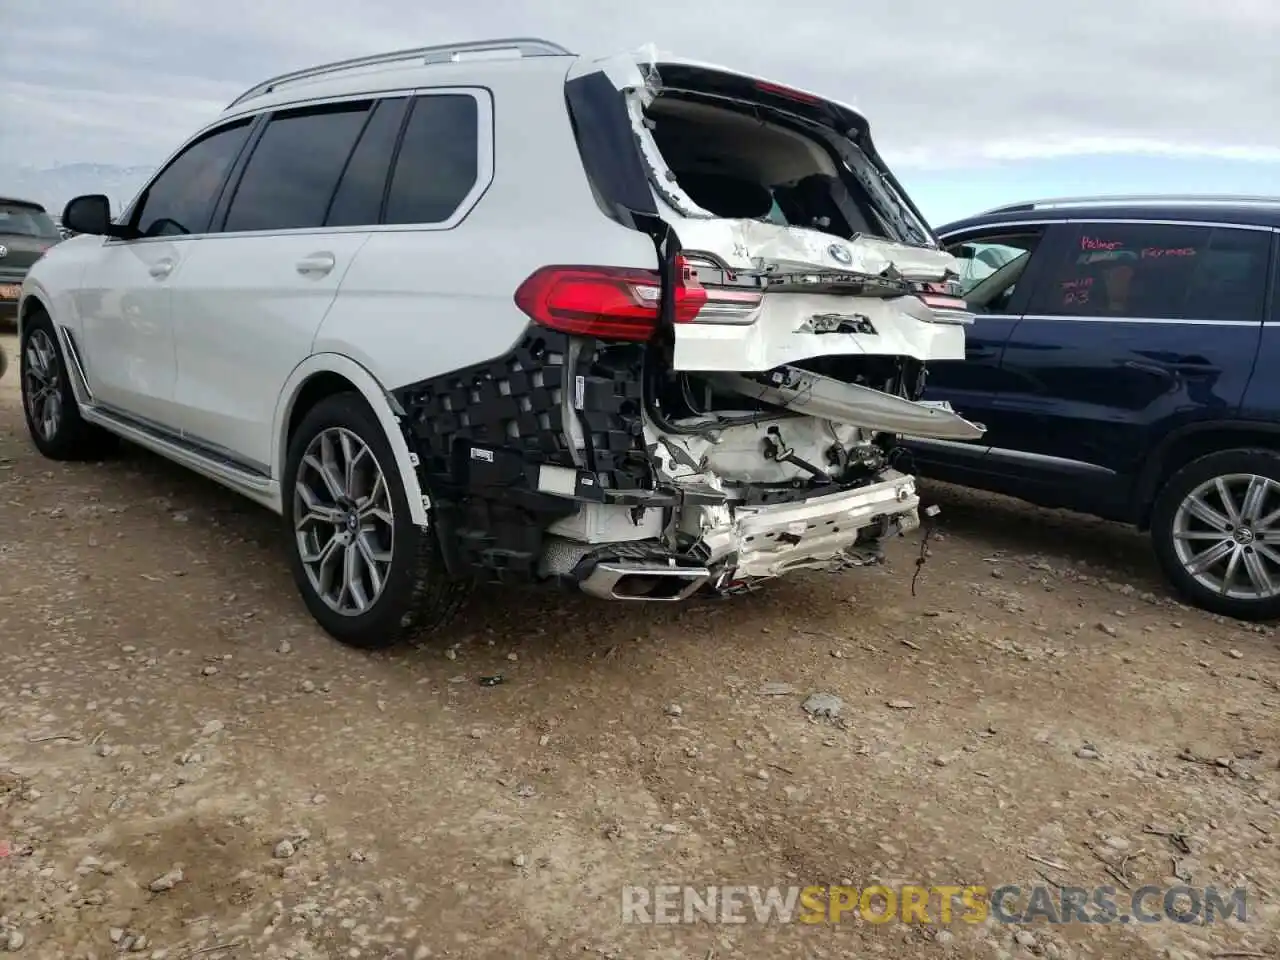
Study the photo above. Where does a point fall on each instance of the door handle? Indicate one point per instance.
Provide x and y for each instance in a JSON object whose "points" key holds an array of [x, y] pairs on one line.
{"points": [[317, 264], [1185, 364], [161, 269], [1192, 364]]}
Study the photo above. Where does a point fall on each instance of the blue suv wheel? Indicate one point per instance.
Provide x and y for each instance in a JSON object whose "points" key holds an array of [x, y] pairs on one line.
{"points": [[1216, 529]]}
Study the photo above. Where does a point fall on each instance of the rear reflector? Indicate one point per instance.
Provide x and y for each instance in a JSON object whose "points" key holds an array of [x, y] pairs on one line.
{"points": [[947, 309], [612, 303]]}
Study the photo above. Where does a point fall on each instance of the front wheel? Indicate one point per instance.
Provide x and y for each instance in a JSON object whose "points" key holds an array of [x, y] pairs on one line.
{"points": [[367, 573], [48, 402], [1216, 531]]}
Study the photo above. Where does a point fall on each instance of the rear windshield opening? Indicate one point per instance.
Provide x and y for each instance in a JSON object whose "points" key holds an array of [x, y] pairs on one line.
{"points": [[19, 220], [738, 166]]}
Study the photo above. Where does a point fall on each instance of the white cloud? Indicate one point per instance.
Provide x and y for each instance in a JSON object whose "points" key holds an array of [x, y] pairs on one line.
{"points": [[944, 84]]}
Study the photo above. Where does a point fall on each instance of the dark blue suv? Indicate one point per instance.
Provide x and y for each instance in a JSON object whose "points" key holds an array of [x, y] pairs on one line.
{"points": [[1125, 360]]}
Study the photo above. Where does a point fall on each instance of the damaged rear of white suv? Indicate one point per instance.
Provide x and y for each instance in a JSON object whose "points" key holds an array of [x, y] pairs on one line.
{"points": [[734, 412], [637, 325]]}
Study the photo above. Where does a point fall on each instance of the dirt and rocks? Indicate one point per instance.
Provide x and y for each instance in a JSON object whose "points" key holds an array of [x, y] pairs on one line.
{"points": [[189, 768]]}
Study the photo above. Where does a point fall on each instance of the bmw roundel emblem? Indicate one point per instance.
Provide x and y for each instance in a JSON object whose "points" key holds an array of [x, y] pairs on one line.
{"points": [[4, 251], [840, 254]]}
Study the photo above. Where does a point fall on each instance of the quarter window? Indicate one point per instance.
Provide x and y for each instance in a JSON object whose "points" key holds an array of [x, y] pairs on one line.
{"points": [[438, 163], [181, 199], [979, 259], [990, 268], [1158, 271], [295, 167]]}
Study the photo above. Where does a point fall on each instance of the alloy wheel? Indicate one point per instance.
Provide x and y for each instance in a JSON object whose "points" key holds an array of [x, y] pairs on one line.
{"points": [[1226, 535], [42, 384], [343, 521]]}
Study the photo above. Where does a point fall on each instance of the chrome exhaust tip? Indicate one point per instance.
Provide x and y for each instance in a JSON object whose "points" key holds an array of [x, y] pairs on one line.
{"points": [[643, 581]]}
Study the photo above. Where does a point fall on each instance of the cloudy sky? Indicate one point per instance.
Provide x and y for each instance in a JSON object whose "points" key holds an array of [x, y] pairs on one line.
{"points": [[972, 103]]}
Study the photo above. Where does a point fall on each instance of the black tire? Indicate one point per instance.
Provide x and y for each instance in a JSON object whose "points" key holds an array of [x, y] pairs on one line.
{"points": [[1259, 462], [73, 438], [417, 593]]}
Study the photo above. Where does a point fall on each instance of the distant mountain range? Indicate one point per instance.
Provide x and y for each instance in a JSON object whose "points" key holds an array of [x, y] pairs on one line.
{"points": [[54, 186]]}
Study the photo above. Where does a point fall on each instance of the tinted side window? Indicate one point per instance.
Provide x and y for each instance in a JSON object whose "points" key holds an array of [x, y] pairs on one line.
{"points": [[438, 162], [180, 200], [1158, 271], [290, 178], [358, 200]]}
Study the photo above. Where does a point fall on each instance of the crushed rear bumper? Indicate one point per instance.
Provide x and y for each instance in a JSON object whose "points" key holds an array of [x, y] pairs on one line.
{"points": [[755, 542]]}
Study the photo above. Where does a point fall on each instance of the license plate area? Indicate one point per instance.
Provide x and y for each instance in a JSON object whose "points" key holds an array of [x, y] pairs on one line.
{"points": [[10, 291]]}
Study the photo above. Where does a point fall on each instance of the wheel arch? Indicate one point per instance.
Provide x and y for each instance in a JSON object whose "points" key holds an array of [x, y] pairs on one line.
{"points": [[325, 374], [29, 304], [1182, 446]]}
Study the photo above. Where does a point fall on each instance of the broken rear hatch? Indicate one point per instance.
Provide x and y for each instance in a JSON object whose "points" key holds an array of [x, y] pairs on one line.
{"points": [[800, 242]]}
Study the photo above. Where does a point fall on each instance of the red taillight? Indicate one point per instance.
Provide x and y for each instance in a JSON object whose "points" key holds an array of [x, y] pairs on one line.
{"points": [[607, 302], [720, 304], [787, 93]]}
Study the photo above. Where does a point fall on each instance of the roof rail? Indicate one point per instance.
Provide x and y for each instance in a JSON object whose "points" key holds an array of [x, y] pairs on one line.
{"points": [[1134, 198], [441, 53]]}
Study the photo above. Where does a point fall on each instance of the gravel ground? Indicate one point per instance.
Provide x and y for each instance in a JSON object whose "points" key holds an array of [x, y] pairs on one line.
{"points": [[189, 768]]}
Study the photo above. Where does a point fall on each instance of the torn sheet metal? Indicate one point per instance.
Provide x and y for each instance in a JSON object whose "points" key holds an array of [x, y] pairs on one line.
{"points": [[814, 395], [760, 246], [790, 327], [769, 247], [736, 452], [767, 541]]}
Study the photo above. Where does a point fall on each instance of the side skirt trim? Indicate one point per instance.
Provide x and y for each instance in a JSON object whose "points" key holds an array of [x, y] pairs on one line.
{"points": [[208, 463]]}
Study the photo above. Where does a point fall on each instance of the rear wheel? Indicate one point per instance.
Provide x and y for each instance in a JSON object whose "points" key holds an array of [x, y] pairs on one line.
{"points": [[368, 574], [1216, 530], [48, 403]]}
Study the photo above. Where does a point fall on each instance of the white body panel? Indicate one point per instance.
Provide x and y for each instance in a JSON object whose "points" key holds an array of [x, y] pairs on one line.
{"points": [[778, 334], [904, 325], [753, 245], [246, 309], [123, 303], [422, 301], [379, 402]]}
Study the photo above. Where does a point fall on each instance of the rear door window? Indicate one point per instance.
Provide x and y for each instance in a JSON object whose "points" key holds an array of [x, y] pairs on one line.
{"points": [[294, 170], [439, 159], [1158, 271], [358, 200]]}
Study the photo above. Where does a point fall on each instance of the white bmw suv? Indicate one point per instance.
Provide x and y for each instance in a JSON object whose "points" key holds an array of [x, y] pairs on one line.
{"points": [[494, 311]]}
